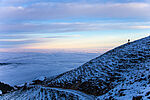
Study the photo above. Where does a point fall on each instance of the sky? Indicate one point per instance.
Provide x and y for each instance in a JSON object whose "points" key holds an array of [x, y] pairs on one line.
{"points": [[71, 25]]}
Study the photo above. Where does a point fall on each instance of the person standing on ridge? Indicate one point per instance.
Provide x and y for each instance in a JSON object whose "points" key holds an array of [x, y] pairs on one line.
{"points": [[128, 41]]}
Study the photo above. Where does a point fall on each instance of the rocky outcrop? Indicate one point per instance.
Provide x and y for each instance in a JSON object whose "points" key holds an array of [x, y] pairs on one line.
{"points": [[5, 88]]}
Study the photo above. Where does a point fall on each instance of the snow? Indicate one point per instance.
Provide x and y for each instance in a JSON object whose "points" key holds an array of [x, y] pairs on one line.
{"points": [[41, 78], [75, 92], [0, 92], [20, 85], [124, 64], [46, 93], [122, 73]]}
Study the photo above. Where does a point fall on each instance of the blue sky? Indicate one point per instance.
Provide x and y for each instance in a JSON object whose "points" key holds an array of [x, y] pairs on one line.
{"points": [[71, 25]]}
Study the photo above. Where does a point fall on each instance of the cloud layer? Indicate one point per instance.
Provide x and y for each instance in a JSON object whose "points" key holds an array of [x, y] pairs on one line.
{"points": [[51, 28], [43, 11]]}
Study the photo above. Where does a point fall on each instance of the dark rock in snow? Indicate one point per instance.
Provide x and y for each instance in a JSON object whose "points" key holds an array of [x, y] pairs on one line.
{"points": [[137, 98], [5, 88]]}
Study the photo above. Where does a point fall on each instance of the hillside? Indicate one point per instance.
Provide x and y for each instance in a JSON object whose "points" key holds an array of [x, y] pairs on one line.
{"points": [[45, 93], [122, 73], [127, 63]]}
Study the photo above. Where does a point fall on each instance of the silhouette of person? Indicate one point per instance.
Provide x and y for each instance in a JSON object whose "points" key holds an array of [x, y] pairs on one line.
{"points": [[128, 41]]}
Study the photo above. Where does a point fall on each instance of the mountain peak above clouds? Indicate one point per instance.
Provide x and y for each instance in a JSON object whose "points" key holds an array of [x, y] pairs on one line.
{"points": [[121, 73], [126, 64]]}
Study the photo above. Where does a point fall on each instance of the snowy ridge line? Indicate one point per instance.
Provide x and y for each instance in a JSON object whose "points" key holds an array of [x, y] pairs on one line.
{"points": [[122, 73], [107, 69]]}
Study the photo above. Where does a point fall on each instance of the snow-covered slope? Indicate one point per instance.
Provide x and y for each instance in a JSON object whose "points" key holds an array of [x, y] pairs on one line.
{"points": [[125, 64], [45, 93], [122, 73]]}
